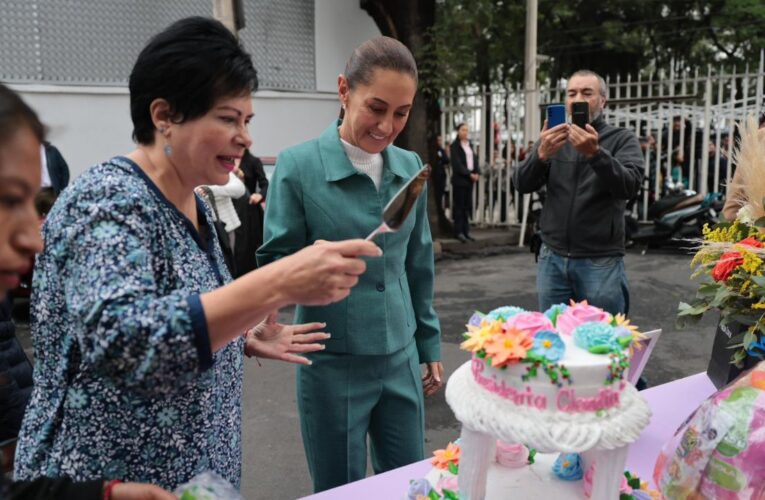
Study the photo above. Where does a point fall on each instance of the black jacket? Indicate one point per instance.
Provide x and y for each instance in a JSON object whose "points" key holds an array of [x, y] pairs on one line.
{"points": [[15, 377], [583, 214], [58, 170], [460, 172]]}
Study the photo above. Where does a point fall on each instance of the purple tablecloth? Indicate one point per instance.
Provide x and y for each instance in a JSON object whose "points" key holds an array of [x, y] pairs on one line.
{"points": [[671, 403]]}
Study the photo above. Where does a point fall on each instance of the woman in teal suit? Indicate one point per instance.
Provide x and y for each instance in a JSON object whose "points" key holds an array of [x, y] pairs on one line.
{"points": [[368, 381]]}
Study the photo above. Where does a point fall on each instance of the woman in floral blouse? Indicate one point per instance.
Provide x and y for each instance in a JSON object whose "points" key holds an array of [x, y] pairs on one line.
{"points": [[137, 325]]}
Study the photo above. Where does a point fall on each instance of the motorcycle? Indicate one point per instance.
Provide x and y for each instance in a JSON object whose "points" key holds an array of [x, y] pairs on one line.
{"points": [[678, 216]]}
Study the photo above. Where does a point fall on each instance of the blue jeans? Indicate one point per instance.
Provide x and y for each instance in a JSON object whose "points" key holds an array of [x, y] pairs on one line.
{"points": [[599, 280]]}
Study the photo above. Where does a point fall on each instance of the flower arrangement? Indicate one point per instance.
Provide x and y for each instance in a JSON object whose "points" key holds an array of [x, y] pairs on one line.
{"points": [[509, 335], [730, 258]]}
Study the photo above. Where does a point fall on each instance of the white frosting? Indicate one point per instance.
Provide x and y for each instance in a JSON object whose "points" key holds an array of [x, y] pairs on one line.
{"points": [[545, 430]]}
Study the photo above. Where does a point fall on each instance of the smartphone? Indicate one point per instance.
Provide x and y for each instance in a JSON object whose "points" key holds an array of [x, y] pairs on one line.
{"points": [[556, 114], [580, 113]]}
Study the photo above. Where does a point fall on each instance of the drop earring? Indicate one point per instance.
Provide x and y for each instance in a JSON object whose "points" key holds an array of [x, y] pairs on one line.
{"points": [[168, 149]]}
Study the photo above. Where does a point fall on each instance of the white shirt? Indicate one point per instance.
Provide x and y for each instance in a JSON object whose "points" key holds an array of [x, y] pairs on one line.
{"points": [[468, 154], [366, 163], [233, 189]]}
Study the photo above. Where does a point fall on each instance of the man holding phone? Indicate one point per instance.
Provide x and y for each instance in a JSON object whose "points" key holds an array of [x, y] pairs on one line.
{"points": [[590, 169]]}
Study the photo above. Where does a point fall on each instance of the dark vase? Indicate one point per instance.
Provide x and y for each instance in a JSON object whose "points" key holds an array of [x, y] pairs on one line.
{"points": [[720, 370]]}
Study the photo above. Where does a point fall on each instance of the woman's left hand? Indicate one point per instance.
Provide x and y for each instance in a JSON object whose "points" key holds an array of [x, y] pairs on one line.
{"points": [[274, 340], [433, 378]]}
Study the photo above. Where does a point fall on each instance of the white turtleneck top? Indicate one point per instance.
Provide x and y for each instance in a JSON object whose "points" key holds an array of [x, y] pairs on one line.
{"points": [[367, 163]]}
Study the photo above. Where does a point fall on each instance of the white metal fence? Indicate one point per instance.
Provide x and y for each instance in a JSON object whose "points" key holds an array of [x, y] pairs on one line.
{"points": [[686, 123]]}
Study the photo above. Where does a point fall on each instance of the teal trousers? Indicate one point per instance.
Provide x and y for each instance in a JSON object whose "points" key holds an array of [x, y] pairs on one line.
{"points": [[343, 398]]}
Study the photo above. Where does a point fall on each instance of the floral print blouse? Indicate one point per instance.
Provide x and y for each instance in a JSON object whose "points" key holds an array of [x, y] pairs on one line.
{"points": [[125, 384]]}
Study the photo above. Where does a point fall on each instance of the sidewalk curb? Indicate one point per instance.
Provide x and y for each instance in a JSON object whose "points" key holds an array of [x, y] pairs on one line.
{"points": [[488, 242]]}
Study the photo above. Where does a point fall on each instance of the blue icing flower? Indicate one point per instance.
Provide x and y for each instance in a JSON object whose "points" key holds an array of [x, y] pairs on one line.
{"points": [[475, 319], [418, 487], [594, 334], [568, 466], [549, 344], [554, 311], [504, 312]]}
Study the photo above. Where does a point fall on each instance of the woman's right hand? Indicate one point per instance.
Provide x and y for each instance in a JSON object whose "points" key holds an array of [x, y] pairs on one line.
{"points": [[255, 198], [139, 491], [325, 273]]}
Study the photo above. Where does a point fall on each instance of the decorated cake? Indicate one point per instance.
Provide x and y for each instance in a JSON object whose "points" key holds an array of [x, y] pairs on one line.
{"points": [[520, 472], [551, 381]]}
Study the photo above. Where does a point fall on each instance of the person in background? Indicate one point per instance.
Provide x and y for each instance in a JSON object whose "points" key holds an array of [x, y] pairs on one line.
{"points": [[439, 174], [55, 171], [249, 236], [222, 198], [368, 383], [590, 173], [139, 331], [465, 173], [21, 134]]}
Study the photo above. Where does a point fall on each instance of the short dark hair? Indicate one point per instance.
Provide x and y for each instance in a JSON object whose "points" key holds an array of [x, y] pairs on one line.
{"points": [[459, 126], [762, 120], [602, 82], [191, 64], [15, 114], [381, 52]]}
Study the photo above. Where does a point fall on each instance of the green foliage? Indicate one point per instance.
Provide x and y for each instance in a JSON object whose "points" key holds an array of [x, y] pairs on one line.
{"points": [[481, 42]]}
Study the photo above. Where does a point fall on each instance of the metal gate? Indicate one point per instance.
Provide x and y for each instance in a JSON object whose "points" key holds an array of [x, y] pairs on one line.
{"points": [[686, 123]]}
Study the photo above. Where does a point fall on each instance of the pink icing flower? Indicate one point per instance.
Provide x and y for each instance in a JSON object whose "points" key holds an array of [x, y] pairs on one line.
{"points": [[449, 482], [531, 322], [588, 477], [513, 455], [579, 313]]}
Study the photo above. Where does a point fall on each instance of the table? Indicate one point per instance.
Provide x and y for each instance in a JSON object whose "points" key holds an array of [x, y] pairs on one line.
{"points": [[670, 403]]}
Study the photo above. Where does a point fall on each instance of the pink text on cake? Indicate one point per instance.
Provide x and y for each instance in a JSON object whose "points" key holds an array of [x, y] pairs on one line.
{"points": [[568, 401], [521, 398]]}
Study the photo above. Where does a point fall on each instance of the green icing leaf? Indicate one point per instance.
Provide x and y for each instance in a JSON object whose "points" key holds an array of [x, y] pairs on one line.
{"points": [[624, 341], [600, 349], [453, 468], [450, 495], [532, 456], [433, 495]]}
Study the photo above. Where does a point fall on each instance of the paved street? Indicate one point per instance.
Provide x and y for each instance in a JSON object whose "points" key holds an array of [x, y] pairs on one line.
{"points": [[274, 465]]}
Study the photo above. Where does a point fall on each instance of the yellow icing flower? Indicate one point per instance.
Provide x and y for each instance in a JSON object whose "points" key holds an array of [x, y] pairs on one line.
{"points": [[442, 458], [479, 335], [621, 320], [508, 347]]}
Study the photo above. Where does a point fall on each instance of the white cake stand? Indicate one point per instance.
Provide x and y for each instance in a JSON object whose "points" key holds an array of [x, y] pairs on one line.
{"points": [[601, 438]]}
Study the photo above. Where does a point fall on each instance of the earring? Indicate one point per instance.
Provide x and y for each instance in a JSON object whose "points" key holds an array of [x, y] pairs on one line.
{"points": [[168, 150], [161, 130]]}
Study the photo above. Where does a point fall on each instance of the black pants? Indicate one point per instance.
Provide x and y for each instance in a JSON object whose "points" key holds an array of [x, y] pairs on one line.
{"points": [[463, 204]]}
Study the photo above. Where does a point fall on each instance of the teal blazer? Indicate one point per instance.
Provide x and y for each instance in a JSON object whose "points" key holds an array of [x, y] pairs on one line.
{"points": [[317, 194]]}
